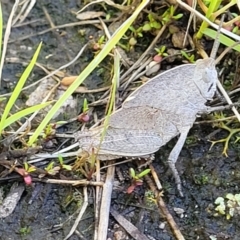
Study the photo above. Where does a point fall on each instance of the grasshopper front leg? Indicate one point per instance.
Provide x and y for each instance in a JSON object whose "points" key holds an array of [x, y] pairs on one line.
{"points": [[172, 159], [220, 108]]}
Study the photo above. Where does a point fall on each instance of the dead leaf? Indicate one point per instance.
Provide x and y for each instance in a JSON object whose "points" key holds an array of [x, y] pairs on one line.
{"points": [[128, 226], [90, 15], [45, 88], [177, 40], [67, 81], [10, 202]]}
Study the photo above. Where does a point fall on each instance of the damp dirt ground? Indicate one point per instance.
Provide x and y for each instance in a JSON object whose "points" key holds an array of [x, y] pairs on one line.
{"points": [[44, 210]]}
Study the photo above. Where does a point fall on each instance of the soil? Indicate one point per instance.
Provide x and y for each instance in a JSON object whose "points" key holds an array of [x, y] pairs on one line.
{"points": [[44, 210]]}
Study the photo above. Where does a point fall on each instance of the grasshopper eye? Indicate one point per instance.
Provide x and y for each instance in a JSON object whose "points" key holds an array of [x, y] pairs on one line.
{"points": [[207, 75], [210, 75]]}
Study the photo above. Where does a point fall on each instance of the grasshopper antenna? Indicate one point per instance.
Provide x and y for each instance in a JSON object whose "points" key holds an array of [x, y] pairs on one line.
{"points": [[217, 42], [219, 85]]}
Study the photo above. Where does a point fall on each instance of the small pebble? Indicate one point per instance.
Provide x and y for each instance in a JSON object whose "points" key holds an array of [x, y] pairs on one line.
{"points": [[178, 38], [153, 67]]}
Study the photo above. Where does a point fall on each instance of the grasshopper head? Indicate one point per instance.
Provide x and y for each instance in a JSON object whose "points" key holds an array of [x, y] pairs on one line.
{"points": [[205, 77]]}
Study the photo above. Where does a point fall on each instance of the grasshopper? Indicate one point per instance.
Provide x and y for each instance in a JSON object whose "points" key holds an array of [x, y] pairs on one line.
{"points": [[161, 109]]}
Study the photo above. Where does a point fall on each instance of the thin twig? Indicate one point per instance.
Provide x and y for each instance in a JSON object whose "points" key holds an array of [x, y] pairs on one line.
{"points": [[84, 90], [83, 209], [140, 60], [54, 72], [29, 22], [111, 3], [163, 210], [215, 120], [97, 200], [128, 226], [74, 182], [105, 204], [125, 63], [28, 8], [226, 50], [6, 36], [155, 177], [80, 23], [52, 25], [222, 30]]}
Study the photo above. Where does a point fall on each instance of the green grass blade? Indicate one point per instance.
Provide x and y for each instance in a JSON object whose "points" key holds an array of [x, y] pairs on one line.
{"points": [[85, 73], [19, 87], [24, 113], [214, 5], [112, 95], [222, 38]]}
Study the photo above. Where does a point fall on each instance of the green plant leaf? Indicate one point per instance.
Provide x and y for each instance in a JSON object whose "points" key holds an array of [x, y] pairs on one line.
{"points": [[49, 166], [132, 172], [67, 167], [85, 105], [214, 5], [147, 27], [222, 38], [60, 159], [178, 16], [155, 25], [219, 200], [19, 87], [16, 116], [230, 196], [143, 173], [114, 86]]}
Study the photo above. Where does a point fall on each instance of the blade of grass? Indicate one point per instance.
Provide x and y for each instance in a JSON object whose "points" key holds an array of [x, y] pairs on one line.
{"points": [[222, 38], [24, 113], [215, 26], [112, 94], [104, 52], [214, 5], [114, 86], [19, 87]]}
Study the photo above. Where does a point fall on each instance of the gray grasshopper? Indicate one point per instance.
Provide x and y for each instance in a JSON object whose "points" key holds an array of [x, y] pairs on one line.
{"points": [[161, 109]]}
